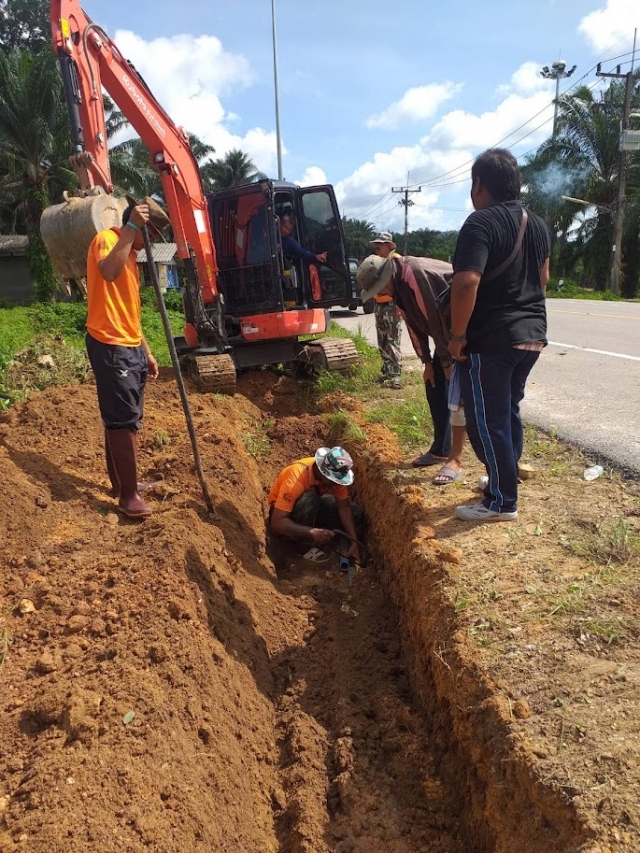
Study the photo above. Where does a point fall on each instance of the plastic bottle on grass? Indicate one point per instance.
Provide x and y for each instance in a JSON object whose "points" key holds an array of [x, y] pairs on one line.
{"points": [[593, 473]]}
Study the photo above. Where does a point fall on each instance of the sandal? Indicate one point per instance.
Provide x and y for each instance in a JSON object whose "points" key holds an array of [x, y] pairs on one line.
{"points": [[427, 459], [446, 475]]}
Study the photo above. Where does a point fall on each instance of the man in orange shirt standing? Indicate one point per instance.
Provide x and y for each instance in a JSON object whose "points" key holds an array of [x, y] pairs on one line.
{"points": [[118, 352], [309, 500]]}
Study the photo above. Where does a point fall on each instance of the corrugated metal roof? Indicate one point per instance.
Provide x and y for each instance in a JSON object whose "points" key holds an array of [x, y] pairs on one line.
{"points": [[163, 253], [13, 244]]}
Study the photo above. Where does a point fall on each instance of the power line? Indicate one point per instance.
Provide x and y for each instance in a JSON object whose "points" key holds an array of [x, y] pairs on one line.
{"points": [[524, 124], [375, 204], [432, 182]]}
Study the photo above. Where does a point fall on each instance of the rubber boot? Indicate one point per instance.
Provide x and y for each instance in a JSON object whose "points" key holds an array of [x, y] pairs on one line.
{"points": [[111, 468], [123, 445], [113, 476]]}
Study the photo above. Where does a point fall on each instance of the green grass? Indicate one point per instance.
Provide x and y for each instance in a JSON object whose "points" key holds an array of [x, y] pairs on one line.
{"points": [[609, 542], [40, 327], [405, 413], [572, 290], [256, 441]]}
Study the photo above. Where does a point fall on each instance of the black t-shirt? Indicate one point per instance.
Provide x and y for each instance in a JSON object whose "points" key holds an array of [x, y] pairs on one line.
{"points": [[510, 309]]}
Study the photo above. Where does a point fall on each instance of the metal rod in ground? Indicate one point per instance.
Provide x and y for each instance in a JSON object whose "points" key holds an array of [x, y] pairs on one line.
{"points": [[176, 369]]}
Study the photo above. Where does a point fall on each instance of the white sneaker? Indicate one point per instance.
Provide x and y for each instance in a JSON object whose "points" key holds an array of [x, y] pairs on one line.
{"points": [[483, 482], [479, 512]]}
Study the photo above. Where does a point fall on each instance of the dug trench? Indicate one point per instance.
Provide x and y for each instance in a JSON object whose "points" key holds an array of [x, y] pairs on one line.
{"points": [[166, 686]]}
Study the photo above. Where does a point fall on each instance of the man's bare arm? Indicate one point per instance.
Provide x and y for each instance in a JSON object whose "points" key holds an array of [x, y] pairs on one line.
{"points": [[544, 276], [464, 289]]}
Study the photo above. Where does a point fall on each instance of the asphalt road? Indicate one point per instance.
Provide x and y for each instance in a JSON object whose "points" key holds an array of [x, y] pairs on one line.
{"points": [[586, 385]]}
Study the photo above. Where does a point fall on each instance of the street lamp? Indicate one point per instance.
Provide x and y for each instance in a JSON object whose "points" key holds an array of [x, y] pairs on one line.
{"points": [[557, 72], [275, 83]]}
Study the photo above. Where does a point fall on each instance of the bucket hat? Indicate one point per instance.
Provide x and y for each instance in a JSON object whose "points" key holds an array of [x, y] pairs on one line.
{"points": [[384, 237], [335, 464], [373, 275]]}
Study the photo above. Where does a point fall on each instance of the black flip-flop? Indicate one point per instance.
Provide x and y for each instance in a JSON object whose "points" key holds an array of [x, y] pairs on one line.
{"points": [[427, 459]]}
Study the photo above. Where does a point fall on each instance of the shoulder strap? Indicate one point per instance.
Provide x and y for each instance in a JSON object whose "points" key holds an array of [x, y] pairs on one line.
{"points": [[516, 251]]}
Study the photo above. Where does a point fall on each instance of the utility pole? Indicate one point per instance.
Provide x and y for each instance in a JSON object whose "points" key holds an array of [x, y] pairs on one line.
{"points": [[557, 72], [618, 224], [406, 201]]}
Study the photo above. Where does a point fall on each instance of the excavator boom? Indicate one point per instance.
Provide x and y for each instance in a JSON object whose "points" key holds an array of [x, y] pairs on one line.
{"points": [[91, 61]]}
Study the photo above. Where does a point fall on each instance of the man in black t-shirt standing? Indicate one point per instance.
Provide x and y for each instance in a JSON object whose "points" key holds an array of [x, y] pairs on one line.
{"points": [[498, 324]]}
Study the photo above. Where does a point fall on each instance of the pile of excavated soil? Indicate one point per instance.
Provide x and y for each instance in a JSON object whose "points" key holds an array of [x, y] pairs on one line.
{"points": [[166, 688], [181, 684]]}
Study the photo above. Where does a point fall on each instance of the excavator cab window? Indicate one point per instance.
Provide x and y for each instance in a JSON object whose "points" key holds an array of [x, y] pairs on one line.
{"points": [[321, 231], [245, 242]]}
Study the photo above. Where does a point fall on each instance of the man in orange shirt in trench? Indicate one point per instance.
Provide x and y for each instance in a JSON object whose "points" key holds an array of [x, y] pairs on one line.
{"points": [[310, 500], [118, 352]]}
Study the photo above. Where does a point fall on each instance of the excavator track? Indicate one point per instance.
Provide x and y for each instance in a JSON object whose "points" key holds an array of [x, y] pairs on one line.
{"points": [[212, 373], [336, 355]]}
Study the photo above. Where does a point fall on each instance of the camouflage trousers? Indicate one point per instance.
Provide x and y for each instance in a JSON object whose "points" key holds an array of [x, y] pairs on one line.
{"points": [[389, 331]]}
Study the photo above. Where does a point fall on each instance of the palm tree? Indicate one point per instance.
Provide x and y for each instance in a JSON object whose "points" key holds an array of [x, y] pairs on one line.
{"points": [[131, 168], [583, 161], [25, 23], [233, 170], [34, 150], [358, 234]]}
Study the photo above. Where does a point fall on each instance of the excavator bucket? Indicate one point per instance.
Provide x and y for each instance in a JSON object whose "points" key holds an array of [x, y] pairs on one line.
{"points": [[67, 229]]}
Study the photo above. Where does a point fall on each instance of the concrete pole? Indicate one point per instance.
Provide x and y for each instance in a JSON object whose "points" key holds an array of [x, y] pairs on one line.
{"points": [[275, 82], [618, 225]]}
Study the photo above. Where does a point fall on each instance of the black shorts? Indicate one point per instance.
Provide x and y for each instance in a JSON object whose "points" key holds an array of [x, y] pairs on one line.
{"points": [[121, 374]]}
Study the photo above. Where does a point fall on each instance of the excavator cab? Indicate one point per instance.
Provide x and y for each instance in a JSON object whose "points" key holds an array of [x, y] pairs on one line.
{"points": [[254, 274]]}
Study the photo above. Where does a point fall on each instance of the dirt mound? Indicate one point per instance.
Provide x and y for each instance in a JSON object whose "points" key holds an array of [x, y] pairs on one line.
{"points": [[168, 691], [178, 684]]}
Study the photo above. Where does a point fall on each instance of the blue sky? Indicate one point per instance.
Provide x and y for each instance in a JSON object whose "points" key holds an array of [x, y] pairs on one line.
{"points": [[369, 92]]}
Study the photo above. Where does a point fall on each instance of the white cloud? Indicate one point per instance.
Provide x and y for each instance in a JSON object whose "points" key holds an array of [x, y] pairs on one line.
{"points": [[366, 193], [443, 157], [606, 27], [189, 76], [459, 129], [313, 176], [417, 104], [526, 80]]}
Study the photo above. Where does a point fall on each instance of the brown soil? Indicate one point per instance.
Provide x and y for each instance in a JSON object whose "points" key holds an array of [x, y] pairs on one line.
{"points": [[173, 690]]}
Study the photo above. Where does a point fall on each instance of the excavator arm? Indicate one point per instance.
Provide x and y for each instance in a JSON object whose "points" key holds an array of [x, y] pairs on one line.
{"points": [[91, 61]]}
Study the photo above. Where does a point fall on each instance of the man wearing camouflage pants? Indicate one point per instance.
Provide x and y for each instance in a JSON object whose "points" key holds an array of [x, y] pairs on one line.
{"points": [[388, 321]]}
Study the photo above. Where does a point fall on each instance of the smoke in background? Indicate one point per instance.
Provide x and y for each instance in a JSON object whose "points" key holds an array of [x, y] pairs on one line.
{"points": [[555, 180]]}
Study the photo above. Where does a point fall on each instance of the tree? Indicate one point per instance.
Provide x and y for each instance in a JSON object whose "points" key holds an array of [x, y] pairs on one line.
{"points": [[34, 150], [583, 162], [425, 243], [131, 168], [233, 170], [358, 234], [25, 24]]}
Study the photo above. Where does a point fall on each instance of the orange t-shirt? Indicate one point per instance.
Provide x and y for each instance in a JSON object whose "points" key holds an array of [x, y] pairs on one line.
{"points": [[298, 478], [113, 306]]}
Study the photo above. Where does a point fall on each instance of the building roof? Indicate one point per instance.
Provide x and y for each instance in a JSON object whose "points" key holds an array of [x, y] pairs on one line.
{"points": [[13, 244], [163, 253]]}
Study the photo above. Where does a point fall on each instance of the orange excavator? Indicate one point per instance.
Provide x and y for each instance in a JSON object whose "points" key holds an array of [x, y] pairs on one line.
{"points": [[245, 304]]}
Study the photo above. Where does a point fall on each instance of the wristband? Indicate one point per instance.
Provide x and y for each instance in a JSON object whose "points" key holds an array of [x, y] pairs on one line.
{"points": [[457, 339], [132, 225]]}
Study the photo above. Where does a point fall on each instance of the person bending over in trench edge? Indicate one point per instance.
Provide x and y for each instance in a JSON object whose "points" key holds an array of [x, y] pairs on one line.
{"points": [[310, 500]]}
